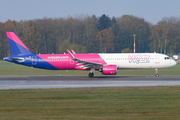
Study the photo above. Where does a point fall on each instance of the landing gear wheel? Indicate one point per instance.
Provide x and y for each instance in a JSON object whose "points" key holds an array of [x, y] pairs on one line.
{"points": [[157, 75], [91, 75]]}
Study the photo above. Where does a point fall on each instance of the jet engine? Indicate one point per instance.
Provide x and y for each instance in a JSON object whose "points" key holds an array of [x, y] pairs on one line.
{"points": [[109, 70]]}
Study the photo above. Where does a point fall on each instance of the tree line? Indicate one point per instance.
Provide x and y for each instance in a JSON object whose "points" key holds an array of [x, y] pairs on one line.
{"points": [[93, 34]]}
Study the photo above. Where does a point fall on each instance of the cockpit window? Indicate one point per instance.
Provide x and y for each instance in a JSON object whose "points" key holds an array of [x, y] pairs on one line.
{"points": [[166, 58]]}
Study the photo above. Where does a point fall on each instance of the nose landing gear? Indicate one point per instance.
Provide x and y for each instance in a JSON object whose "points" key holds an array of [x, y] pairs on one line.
{"points": [[156, 71]]}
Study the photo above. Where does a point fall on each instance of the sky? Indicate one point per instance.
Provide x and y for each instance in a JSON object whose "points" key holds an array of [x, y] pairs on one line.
{"points": [[151, 10]]}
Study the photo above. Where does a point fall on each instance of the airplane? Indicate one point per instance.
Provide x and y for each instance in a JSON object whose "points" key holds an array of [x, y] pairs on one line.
{"points": [[107, 63]]}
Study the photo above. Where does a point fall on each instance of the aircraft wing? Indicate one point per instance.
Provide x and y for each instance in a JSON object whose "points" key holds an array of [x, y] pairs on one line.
{"points": [[85, 64]]}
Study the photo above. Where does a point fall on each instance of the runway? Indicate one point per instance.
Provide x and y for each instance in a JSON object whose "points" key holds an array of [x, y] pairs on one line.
{"points": [[32, 82]]}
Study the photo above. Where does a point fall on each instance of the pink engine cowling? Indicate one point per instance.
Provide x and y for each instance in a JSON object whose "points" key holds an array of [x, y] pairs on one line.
{"points": [[109, 70]]}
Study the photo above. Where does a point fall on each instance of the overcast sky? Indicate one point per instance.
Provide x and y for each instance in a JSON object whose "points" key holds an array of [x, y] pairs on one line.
{"points": [[151, 10]]}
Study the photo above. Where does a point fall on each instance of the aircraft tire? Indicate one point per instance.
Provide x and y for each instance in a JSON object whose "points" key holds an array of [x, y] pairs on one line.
{"points": [[91, 75], [157, 75]]}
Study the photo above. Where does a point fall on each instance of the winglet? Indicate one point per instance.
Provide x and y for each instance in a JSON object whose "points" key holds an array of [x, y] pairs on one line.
{"points": [[73, 51], [70, 54]]}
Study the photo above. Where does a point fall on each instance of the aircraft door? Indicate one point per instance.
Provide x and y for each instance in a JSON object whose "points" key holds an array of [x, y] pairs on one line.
{"points": [[71, 61], [157, 59], [101, 60], [34, 62]]}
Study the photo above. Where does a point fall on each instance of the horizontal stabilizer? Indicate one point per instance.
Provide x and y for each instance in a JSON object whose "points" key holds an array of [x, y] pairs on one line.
{"points": [[18, 59]]}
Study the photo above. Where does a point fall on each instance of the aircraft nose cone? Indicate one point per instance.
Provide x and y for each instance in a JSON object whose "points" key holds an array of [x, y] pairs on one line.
{"points": [[173, 63]]}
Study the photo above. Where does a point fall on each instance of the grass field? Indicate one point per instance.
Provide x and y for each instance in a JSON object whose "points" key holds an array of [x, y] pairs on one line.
{"points": [[151, 103], [7, 68]]}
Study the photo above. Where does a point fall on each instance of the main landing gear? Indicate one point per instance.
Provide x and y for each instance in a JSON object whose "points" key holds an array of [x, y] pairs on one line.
{"points": [[156, 71], [91, 74]]}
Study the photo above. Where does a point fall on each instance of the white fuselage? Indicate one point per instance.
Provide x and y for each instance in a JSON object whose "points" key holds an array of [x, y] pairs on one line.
{"points": [[138, 60]]}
